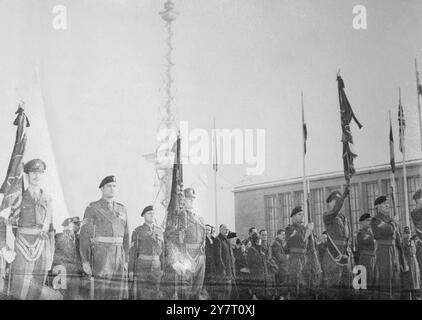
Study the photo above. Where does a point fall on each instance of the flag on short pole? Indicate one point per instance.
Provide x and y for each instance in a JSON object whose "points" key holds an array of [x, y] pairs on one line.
{"points": [[347, 115], [402, 126], [12, 190], [13, 183], [176, 195], [418, 82], [392, 160], [304, 128]]}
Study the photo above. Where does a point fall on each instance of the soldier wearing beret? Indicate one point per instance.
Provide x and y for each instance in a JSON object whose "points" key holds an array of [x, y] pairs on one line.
{"points": [[186, 256], [337, 262], [104, 244], [416, 213], [67, 256], [389, 258], [410, 278], [366, 248], [34, 242], [146, 257], [297, 238]]}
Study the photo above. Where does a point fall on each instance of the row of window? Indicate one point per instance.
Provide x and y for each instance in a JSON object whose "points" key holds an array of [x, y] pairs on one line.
{"points": [[362, 196]]}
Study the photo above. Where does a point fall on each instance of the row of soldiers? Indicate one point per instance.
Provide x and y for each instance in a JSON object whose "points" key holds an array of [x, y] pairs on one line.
{"points": [[392, 257], [95, 258], [99, 260]]}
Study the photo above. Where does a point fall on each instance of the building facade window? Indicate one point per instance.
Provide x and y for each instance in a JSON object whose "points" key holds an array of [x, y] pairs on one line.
{"points": [[298, 198], [286, 206], [371, 193], [413, 184], [271, 214], [317, 209]]}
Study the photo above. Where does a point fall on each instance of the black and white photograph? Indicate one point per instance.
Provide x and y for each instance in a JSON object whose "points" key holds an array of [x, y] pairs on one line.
{"points": [[210, 150]]}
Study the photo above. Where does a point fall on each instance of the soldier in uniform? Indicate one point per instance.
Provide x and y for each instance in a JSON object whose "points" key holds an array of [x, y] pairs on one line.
{"points": [[416, 213], [337, 262], [146, 257], [190, 266], [366, 249], [67, 256], [297, 237], [104, 244], [278, 249], [411, 278], [389, 259], [34, 242]]}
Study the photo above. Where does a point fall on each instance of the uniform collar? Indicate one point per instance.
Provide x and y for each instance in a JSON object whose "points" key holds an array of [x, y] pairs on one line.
{"points": [[35, 198], [149, 226], [107, 203]]}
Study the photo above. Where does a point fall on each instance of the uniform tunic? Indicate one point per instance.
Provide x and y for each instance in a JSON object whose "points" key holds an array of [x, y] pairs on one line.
{"points": [[279, 254], [411, 278], [337, 226], [146, 260], [191, 252], [366, 248], [297, 243], [416, 215], [67, 255], [34, 250], [104, 244], [387, 265], [258, 271]]}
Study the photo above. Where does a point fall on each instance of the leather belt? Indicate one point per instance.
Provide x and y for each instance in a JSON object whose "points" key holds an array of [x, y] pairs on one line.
{"points": [[31, 231], [340, 242], [386, 242], [149, 257], [108, 240], [367, 252], [297, 250], [193, 245]]}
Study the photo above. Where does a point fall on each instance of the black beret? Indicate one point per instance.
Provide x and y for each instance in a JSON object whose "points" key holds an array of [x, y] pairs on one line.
{"points": [[75, 220], [35, 165], [107, 180], [296, 210], [66, 222], [189, 193], [379, 200], [146, 209], [334, 194], [364, 217], [417, 195]]}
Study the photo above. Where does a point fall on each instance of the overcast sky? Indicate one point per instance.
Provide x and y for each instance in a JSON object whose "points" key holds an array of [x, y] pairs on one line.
{"points": [[243, 61]]}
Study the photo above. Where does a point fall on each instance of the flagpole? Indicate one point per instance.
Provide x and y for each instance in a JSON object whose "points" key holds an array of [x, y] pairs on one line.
{"points": [[419, 101], [305, 195], [403, 152], [392, 176], [215, 176]]}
